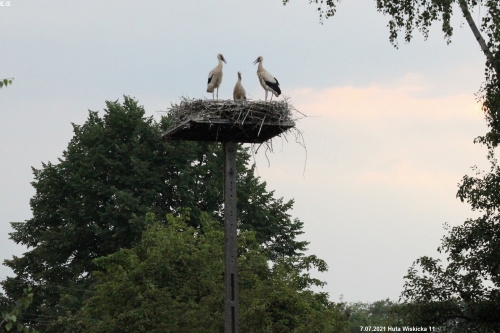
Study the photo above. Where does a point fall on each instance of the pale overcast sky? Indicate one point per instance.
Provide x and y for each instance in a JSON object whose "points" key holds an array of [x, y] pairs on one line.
{"points": [[389, 133]]}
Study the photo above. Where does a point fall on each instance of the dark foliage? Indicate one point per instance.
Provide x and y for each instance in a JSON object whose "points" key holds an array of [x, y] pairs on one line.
{"points": [[172, 281]]}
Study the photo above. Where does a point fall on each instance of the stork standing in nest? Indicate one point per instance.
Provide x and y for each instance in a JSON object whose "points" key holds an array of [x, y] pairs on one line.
{"points": [[239, 93], [267, 81], [215, 77]]}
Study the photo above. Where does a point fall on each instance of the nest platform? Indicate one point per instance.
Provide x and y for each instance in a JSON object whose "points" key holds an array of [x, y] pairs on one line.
{"points": [[229, 121]]}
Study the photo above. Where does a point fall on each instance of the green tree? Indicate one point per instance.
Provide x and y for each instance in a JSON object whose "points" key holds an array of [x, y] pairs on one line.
{"points": [[172, 281], [382, 313], [94, 200], [464, 295], [6, 82], [11, 320]]}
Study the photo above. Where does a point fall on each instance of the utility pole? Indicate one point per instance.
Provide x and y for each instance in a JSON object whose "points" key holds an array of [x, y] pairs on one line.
{"points": [[230, 240]]}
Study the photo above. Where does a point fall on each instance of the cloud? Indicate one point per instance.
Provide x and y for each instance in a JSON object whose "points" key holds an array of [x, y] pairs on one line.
{"points": [[407, 97], [383, 164], [398, 137]]}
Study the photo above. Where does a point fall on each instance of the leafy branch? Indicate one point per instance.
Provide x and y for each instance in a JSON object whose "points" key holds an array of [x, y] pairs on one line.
{"points": [[6, 82], [11, 319]]}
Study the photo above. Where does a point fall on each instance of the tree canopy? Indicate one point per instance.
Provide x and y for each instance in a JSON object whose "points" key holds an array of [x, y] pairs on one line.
{"points": [[172, 281], [94, 200], [382, 313], [464, 295]]}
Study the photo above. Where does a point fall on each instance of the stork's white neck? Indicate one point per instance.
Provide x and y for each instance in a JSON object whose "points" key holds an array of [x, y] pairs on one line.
{"points": [[260, 68]]}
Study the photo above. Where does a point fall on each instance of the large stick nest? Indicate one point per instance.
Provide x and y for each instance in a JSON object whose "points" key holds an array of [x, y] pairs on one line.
{"points": [[226, 120]]}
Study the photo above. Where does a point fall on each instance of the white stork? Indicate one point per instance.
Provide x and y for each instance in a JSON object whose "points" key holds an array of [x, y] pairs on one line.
{"points": [[239, 93], [267, 81], [215, 76]]}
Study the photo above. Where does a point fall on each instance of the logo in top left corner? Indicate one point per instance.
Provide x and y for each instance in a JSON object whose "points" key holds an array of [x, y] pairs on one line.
{"points": [[5, 3]]}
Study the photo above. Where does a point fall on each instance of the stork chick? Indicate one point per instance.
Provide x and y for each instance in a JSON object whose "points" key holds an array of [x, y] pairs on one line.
{"points": [[239, 93], [215, 77], [267, 81]]}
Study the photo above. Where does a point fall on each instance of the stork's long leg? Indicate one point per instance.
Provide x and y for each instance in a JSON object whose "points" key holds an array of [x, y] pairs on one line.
{"points": [[266, 95]]}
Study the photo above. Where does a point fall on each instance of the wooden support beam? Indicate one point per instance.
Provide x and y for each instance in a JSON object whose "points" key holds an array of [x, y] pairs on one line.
{"points": [[230, 240]]}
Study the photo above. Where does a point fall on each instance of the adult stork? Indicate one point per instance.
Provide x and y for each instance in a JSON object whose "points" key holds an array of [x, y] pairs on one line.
{"points": [[239, 93], [215, 76], [267, 81]]}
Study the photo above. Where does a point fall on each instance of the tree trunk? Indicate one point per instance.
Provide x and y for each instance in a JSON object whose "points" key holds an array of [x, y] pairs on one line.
{"points": [[477, 34]]}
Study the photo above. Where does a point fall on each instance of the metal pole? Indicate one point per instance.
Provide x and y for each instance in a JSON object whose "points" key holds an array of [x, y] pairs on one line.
{"points": [[230, 240]]}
